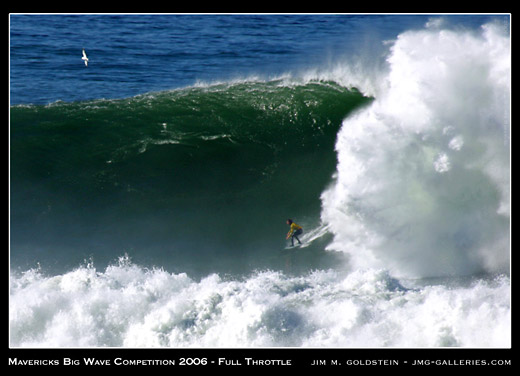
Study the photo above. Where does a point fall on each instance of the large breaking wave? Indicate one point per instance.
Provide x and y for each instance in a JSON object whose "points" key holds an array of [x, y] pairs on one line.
{"points": [[192, 182]]}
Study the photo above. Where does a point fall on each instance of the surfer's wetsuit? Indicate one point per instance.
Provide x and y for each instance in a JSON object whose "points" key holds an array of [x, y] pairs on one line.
{"points": [[294, 232]]}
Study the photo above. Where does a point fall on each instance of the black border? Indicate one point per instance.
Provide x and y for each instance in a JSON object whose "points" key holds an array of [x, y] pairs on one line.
{"points": [[337, 359], [280, 358]]}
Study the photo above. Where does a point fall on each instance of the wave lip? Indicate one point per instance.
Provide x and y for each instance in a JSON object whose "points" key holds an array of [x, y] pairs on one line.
{"points": [[423, 177]]}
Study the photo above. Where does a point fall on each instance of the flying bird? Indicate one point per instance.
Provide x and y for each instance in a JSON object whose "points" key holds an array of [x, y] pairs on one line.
{"points": [[85, 58]]}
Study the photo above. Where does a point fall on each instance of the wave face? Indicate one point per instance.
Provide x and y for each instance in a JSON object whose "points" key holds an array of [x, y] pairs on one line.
{"points": [[423, 178], [212, 170]]}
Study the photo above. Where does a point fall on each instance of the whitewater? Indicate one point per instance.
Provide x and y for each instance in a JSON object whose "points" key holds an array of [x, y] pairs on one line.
{"points": [[128, 306], [417, 210]]}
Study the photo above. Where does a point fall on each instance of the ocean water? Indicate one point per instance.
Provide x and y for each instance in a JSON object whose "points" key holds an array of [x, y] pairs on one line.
{"points": [[149, 191]]}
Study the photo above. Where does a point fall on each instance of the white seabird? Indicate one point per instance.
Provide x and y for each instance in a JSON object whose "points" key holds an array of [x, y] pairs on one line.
{"points": [[85, 58]]}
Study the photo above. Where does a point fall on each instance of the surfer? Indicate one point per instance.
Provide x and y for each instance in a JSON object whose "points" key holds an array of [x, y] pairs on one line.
{"points": [[294, 231]]}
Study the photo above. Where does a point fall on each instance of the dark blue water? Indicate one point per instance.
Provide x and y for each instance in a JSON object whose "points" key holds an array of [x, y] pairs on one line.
{"points": [[135, 54]]}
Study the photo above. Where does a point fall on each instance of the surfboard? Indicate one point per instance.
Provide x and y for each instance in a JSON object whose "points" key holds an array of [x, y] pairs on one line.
{"points": [[312, 235], [308, 237]]}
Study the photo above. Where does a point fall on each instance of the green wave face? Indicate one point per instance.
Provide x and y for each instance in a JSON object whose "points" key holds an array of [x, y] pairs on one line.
{"points": [[210, 170]]}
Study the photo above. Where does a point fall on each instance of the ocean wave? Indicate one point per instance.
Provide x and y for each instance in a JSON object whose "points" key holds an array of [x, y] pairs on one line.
{"points": [[171, 173], [399, 174]]}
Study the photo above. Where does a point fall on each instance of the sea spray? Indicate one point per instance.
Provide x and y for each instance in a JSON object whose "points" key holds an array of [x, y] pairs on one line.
{"points": [[422, 181]]}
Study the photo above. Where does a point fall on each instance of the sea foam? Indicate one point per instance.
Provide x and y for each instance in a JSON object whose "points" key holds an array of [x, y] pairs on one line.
{"points": [[129, 306], [422, 186]]}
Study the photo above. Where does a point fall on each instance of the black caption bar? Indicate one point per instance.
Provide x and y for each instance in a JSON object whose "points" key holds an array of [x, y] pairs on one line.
{"points": [[290, 358]]}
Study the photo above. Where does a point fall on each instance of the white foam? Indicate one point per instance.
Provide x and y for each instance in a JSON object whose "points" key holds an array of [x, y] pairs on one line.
{"points": [[129, 306], [423, 177]]}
